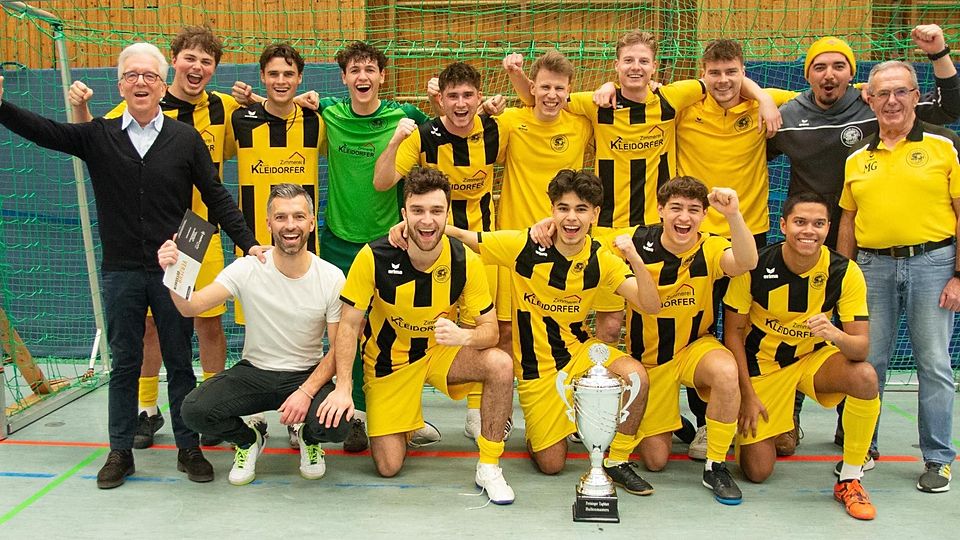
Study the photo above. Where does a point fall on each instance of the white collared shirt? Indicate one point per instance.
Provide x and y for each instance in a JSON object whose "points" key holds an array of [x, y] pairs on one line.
{"points": [[142, 137]]}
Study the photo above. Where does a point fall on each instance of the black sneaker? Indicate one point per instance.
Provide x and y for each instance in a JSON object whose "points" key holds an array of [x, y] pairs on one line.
{"points": [[118, 467], [356, 440], [146, 427], [625, 476], [724, 488], [209, 440], [936, 479], [192, 462], [687, 431]]}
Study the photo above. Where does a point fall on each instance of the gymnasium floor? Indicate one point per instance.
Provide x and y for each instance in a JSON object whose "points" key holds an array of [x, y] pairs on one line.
{"points": [[48, 472]]}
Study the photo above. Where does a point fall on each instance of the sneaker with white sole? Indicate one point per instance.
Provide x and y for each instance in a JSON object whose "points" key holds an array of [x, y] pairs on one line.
{"points": [[312, 466], [490, 479], [935, 478], [868, 465], [698, 447], [425, 436], [245, 459], [471, 425], [293, 433]]}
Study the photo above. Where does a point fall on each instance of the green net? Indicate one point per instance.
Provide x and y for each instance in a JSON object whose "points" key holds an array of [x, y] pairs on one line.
{"points": [[43, 278]]}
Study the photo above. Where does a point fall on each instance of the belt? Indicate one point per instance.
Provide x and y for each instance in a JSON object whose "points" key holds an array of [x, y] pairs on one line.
{"points": [[904, 252]]}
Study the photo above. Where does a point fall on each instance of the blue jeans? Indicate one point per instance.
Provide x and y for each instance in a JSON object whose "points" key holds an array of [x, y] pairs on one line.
{"points": [[126, 296], [912, 286]]}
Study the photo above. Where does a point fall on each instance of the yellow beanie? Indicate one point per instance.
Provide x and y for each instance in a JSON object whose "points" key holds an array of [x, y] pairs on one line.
{"points": [[826, 45]]}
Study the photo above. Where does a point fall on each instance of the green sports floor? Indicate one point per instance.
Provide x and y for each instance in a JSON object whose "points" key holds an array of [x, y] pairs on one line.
{"points": [[48, 472]]}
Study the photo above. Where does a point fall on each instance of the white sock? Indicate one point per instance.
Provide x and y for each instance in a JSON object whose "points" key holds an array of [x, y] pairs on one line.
{"points": [[151, 411], [362, 415], [850, 472], [708, 466]]}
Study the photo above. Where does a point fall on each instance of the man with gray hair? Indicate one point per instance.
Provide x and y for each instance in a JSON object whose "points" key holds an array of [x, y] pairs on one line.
{"points": [[143, 170], [906, 246]]}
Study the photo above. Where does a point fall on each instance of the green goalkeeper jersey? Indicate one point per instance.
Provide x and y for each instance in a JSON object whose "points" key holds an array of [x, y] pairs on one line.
{"points": [[355, 210]]}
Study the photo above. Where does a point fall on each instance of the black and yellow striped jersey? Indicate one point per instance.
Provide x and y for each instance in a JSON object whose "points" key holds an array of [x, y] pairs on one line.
{"points": [[272, 150], [208, 115], [780, 303], [403, 303], [685, 285], [467, 161], [636, 149], [552, 296]]}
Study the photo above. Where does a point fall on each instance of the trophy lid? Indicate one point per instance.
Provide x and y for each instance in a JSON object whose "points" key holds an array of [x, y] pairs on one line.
{"points": [[598, 376]]}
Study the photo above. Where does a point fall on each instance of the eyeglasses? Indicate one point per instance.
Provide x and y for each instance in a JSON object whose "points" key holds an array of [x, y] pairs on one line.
{"points": [[149, 77], [898, 93]]}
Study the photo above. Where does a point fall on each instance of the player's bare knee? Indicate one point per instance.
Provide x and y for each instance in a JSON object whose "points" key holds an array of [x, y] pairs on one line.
{"points": [[549, 465], [862, 381], [499, 366], [388, 466], [654, 462]]}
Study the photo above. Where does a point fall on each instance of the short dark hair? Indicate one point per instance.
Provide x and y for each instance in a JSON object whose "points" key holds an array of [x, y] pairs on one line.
{"points": [[281, 50], [358, 51], [584, 184], [197, 37], [803, 197], [459, 73], [722, 50], [423, 180], [288, 191], [687, 187]]}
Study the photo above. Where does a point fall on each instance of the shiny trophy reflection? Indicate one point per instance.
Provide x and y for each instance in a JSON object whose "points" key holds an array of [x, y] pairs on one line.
{"points": [[597, 412]]}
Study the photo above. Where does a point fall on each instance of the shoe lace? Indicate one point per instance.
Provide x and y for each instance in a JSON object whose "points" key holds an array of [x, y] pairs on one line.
{"points": [[241, 457], [115, 458], [721, 476], [853, 492], [314, 453]]}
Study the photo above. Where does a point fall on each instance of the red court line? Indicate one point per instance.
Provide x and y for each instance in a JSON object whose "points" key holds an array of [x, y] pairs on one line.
{"points": [[449, 454]]}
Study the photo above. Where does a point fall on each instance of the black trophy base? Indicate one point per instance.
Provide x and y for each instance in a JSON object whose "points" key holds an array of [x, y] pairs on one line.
{"points": [[596, 509]]}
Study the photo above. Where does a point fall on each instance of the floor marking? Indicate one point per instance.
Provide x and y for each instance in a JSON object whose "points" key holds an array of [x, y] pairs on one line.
{"points": [[49, 487]]}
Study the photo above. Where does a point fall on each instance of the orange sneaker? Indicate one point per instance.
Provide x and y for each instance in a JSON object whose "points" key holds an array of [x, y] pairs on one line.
{"points": [[854, 497]]}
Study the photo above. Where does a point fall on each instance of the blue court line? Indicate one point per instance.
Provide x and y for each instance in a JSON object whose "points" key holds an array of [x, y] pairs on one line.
{"points": [[52, 485], [26, 475]]}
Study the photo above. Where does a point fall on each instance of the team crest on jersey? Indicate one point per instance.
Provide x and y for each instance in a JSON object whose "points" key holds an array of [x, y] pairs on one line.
{"points": [[917, 157], [577, 268], [559, 143], [376, 123], [850, 135], [442, 274], [743, 123], [818, 280]]}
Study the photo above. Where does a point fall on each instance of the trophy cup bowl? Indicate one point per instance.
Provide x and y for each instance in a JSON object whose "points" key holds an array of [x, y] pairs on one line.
{"points": [[597, 410]]}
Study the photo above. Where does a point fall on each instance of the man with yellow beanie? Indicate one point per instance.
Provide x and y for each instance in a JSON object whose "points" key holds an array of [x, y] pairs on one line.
{"points": [[823, 123]]}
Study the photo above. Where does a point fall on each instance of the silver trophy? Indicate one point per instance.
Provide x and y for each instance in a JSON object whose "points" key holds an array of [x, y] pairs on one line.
{"points": [[597, 410]]}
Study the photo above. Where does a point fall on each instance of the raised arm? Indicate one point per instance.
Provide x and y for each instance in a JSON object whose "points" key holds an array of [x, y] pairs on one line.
{"points": [[67, 138], [942, 106], [201, 300], [742, 257], [513, 65], [639, 290], [385, 174], [79, 95]]}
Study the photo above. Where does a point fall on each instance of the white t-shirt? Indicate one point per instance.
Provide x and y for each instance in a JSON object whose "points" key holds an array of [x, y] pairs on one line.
{"points": [[286, 318]]}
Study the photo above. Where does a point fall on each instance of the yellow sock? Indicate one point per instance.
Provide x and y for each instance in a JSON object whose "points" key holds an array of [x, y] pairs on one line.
{"points": [[719, 437], [473, 398], [208, 374], [490, 452], [859, 421], [149, 388], [621, 447]]}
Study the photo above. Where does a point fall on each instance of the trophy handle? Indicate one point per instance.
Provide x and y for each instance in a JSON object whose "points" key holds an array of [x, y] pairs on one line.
{"points": [[634, 392], [562, 390]]}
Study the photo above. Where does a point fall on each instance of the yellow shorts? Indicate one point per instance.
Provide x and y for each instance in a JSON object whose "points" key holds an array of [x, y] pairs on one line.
{"points": [[394, 401], [776, 391], [504, 299], [210, 268], [544, 412], [606, 301], [663, 401]]}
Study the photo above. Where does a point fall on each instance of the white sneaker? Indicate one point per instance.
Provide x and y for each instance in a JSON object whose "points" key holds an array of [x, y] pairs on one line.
{"points": [[293, 433], [490, 479], [698, 447], [312, 466], [245, 462], [425, 436], [508, 429], [471, 427]]}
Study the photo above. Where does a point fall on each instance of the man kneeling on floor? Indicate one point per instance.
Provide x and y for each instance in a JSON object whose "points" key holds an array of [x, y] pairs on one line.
{"points": [[778, 326], [288, 302]]}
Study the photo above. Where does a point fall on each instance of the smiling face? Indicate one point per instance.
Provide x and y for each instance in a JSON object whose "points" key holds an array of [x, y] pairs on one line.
{"points": [[894, 112], [681, 222], [572, 217], [281, 80], [426, 218], [290, 222], [635, 68], [459, 104], [829, 76], [550, 92], [143, 98], [723, 79], [192, 70], [363, 78], [805, 228]]}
